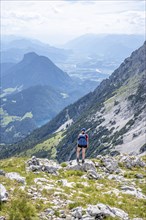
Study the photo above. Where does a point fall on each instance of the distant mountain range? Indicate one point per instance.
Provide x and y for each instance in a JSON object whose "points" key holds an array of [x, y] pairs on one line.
{"points": [[109, 46], [13, 49], [99, 54], [113, 114]]}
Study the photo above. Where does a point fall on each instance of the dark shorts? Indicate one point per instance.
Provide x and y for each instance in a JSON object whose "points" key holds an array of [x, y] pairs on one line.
{"points": [[81, 146]]}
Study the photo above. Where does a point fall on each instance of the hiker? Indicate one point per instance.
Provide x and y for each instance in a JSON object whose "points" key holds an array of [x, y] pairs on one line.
{"points": [[82, 144]]}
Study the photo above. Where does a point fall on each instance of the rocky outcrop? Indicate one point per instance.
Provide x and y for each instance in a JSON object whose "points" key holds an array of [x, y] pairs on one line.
{"points": [[45, 165], [131, 161], [100, 211], [110, 164], [64, 189]]}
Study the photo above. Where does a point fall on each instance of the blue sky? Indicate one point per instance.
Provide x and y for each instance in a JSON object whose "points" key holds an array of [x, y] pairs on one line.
{"points": [[56, 22]]}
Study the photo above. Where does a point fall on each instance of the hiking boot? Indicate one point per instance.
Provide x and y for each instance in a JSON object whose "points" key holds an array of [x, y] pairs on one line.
{"points": [[83, 161]]}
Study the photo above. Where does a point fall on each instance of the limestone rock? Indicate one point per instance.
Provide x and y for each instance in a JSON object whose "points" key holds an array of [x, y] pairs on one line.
{"points": [[92, 174], [110, 163], [133, 191], [77, 213], [64, 182], [88, 165], [45, 165], [131, 161], [2, 218], [139, 176], [2, 173], [100, 211], [3, 194], [15, 176]]}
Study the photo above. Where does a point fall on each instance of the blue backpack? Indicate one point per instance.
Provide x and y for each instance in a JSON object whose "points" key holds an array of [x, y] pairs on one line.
{"points": [[82, 140]]}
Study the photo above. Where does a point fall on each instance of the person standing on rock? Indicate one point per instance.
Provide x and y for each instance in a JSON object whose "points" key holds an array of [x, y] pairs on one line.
{"points": [[82, 144]]}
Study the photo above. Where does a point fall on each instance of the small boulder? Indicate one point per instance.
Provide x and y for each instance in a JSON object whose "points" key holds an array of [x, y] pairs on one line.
{"points": [[3, 194], [2, 218], [92, 174], [101, 211], [139, 176], [77, 213], [2, 173]]}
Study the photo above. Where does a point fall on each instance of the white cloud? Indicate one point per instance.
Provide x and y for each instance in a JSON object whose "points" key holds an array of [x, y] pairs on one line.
{"points": [[58, 21]]}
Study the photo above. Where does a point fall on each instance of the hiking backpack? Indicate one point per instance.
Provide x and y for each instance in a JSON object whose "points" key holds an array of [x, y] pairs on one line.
{"points": [[82, 140]]}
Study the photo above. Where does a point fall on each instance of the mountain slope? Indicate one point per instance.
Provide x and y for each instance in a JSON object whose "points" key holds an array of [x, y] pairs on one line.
{"points": [[39, 104], [109, 113], [37, 87]]}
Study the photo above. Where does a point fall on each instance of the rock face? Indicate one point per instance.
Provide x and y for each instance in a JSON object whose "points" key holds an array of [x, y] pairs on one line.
{"points": [[3, 194]]}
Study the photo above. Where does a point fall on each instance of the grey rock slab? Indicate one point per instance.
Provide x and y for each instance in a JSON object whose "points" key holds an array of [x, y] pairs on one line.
{"points": [[15, 176], [139, 176], [133, 191]]}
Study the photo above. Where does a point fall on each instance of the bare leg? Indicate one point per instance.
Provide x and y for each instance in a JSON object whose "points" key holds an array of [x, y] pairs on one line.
{"points": [[83, 153], [78, 152]]}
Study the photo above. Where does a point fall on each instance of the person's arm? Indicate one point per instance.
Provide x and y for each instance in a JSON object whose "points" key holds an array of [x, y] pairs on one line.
{"points": [[87, 138]]}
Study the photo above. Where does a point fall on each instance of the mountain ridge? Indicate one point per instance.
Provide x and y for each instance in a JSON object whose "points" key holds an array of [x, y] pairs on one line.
{"points": [[27, 73]]}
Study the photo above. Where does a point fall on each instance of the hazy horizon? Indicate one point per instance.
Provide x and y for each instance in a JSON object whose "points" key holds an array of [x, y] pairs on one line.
{"points": [[57, 22]]}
